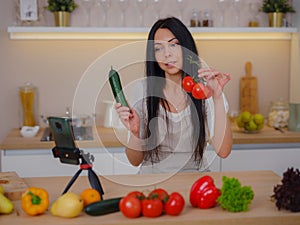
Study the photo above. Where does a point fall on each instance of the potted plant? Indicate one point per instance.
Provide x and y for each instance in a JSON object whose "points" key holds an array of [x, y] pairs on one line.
{"points": [[61, 10], [276, 10]]}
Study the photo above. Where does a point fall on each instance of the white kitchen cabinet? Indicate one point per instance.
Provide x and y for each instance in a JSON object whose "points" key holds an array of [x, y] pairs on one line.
{"points": [[108, 161], [36, 163], [213, 160], [40, 163], [277, 160], [122, 165]]}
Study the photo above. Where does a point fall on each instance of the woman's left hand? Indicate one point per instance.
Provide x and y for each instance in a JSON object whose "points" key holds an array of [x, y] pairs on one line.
{"points": [[215, 79]]}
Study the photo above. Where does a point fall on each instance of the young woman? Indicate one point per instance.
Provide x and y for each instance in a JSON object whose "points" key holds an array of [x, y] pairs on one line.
{"points": [[169, 129]]}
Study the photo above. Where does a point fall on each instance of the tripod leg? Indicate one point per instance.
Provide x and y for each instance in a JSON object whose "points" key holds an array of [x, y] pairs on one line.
{"points": [[72, 181], [95, 182]]}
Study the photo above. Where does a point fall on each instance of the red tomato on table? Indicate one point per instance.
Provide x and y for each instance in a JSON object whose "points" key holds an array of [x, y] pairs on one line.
{"points": [[159, 193], [152, 207], [138, 194], [175, 204], [130, 206]]}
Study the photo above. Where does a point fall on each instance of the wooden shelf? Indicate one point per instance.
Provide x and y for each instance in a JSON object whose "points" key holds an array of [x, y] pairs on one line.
{"points": [[140, 33]]}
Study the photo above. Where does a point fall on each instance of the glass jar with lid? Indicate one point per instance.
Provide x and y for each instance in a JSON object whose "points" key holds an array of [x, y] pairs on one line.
{"points": [[279, 114]]}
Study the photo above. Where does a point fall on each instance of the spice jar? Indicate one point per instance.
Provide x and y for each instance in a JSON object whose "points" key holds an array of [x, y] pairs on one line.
{"points": [[207, 19], [195, 22], [28, 98], [279, 114]]}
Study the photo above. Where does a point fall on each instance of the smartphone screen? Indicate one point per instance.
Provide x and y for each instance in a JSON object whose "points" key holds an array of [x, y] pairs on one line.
{"points": [[65, 148], [62, 132]]}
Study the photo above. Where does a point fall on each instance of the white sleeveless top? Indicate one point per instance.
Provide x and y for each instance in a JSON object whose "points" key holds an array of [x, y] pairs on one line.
{"points": [[176, 146]]}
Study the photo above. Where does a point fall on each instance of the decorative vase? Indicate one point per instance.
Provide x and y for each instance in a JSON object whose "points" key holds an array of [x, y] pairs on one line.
{"points": [[62, 19], [275, 19]]}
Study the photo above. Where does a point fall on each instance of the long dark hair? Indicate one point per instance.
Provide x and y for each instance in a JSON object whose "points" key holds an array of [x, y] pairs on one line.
{"points": [[190, 66]]}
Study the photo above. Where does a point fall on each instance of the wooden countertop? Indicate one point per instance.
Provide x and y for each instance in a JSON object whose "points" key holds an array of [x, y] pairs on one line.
{"points": [[108, 137], [103, 137], [261, 211], [265, 136]]}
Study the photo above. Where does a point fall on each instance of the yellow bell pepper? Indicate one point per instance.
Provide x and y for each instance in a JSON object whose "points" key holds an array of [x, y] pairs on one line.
{"points": [[35, 201]]}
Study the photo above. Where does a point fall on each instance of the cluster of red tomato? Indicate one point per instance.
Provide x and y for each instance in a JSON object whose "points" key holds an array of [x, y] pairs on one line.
{"points": [[156, 203], [203, 195], [198, 89]]}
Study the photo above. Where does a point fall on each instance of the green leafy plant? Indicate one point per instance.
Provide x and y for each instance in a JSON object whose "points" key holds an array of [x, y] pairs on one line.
{"points": [[61, 5], [234, 197], [279, 6]]}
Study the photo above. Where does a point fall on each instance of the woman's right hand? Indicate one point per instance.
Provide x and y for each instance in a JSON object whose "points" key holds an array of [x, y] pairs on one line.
{"points": [[129, 118]]}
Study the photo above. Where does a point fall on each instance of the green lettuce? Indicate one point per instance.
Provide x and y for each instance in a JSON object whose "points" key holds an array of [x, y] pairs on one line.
{"points": [[234, 197]]}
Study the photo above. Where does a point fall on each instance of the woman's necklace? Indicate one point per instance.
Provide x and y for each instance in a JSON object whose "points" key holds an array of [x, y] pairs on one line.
{"points": [[177, 101]]}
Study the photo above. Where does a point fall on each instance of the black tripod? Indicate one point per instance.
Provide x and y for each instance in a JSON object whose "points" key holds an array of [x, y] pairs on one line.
{"points": [[85, 164]]}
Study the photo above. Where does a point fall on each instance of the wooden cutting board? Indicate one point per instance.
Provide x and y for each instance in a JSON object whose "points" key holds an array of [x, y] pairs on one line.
{"points": [[13, 185], [248, 91]]}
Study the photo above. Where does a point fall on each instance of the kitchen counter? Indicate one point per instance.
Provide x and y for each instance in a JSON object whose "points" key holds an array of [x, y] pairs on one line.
{"points": [[103, 137], [108, 137], [261, 211]]}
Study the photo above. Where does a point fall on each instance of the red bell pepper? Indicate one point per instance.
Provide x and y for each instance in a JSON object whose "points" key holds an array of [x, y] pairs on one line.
{"points": [[204, 193]]}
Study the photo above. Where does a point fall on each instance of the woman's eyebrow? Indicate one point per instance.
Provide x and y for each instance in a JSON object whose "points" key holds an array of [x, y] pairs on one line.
{"points": [[159, 43], [171, 39]]}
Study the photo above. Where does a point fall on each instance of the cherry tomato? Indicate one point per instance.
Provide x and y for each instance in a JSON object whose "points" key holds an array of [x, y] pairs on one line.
{"points": [[201, 91], [159, 193], [130, 206], [139, 195], [152, 207], [188, 83], [175, 204]]}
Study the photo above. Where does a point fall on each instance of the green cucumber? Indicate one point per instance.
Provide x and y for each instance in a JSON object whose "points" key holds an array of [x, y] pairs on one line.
{"points": [[116, 87], [103, 207]]}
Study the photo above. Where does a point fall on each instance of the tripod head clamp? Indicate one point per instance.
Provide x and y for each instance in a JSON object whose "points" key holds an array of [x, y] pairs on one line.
{"points": [[86, 157]]}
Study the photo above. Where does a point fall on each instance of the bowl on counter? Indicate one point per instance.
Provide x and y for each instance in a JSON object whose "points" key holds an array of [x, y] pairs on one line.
{"points": [[27, 131], [250, 131], [250, 123]]}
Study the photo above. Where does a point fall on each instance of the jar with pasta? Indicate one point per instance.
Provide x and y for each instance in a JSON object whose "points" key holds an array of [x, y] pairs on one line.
{"points": [[28, 98]]}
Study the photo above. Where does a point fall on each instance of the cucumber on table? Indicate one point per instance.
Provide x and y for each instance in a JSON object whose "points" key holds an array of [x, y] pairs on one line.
{"points": [[103, 207]]}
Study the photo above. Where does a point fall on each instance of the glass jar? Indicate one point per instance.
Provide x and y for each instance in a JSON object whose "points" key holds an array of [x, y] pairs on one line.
{"points": [[28, 99], [195, 22], [207, 19], [279, 114]]}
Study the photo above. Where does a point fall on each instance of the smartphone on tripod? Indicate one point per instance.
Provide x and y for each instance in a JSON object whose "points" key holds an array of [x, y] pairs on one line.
{"points": [[66, 150], [65, 147]]}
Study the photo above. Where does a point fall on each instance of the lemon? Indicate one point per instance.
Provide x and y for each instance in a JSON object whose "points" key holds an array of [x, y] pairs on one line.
{"points": [[246, 116], [251, 126], [240, 122], [258, 119]]}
